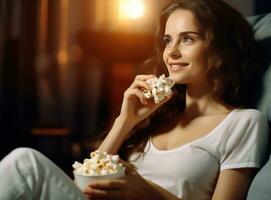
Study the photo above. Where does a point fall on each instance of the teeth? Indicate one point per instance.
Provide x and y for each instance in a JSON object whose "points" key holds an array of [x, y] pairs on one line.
{"points": [[176, 66]]}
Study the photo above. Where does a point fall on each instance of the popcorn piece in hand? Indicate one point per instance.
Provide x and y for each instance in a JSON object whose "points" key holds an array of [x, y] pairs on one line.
{"points": [[100, 163], [161, 88]]}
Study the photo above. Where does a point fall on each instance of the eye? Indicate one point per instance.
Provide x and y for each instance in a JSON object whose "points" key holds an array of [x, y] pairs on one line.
{"points": [[187, 40], [167, 40]]}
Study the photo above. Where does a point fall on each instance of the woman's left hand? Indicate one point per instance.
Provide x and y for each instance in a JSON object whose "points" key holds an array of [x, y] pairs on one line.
{"points": [[130, 187]]}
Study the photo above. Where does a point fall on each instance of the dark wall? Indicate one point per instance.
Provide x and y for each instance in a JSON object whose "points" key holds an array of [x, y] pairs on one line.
{"points": [[262, 6], [17, 84]]}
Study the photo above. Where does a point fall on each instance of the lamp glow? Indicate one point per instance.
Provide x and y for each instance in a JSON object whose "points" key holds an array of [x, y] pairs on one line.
{"points": [[133, 9]]}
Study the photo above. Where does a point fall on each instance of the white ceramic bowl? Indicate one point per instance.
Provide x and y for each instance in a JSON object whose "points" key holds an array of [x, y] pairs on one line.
{"points": [[82, 181]]}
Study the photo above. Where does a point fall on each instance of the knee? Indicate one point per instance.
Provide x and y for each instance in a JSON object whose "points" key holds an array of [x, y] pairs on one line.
{"points": [[23, 155], [20, 158], [22, 152]]}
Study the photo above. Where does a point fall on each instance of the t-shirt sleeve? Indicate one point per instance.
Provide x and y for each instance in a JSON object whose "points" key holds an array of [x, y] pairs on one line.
{"points": [[247, 141]]}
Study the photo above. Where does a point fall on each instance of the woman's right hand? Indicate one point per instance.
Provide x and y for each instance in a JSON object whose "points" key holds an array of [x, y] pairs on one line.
{"points": [[135, 106]]}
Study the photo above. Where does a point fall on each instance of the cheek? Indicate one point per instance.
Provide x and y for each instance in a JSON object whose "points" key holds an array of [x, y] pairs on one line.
{"points": [[202, 59], [196, 55], [164, 56]]}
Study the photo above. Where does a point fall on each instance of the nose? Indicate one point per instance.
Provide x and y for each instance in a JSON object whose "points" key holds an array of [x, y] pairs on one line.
{"points": [[174, 52]]}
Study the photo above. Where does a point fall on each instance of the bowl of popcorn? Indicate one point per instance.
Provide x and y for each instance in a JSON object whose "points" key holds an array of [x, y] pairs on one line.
{"points": [[99, 166], [161, 88]]}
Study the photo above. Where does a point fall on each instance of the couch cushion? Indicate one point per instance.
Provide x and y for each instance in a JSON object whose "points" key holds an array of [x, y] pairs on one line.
{"points": [[260, 188], [262, 27]]}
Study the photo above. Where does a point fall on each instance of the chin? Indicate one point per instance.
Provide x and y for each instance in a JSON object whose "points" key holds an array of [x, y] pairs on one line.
{"points": [[177, 79]]}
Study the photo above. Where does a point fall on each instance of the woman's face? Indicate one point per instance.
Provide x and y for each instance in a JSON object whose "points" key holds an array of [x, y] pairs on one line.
{"points": [[185, 47]]}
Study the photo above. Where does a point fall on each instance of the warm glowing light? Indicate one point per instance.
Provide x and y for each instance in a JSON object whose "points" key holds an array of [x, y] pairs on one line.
{"points": [[62, 57], [133, 9]]}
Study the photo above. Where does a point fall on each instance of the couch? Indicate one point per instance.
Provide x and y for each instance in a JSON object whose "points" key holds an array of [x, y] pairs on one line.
{"points": [[260, 188]]}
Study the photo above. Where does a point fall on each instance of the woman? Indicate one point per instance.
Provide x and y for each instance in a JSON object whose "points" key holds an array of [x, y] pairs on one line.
{"points": [[200, 143]]}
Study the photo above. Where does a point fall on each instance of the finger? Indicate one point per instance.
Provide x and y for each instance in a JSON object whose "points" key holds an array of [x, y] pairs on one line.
{"points": [[97, 193], [88, 191], [141, 84], [107, 184], [136, 92], [144, 77]]}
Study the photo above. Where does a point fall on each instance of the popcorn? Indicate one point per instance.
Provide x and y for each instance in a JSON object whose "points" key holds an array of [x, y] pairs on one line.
{"points": [[100, 163], [161, 88]]}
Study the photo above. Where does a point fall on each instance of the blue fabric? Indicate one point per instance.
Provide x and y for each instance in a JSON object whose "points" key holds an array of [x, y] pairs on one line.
{"points": [[260, 188], [262, 27]]}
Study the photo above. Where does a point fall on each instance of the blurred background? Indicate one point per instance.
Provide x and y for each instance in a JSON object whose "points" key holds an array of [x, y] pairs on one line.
{"points": [[64, 65]]}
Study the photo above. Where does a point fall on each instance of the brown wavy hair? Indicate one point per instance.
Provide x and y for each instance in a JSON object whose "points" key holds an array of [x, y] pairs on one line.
{"points": [[232, 62]]}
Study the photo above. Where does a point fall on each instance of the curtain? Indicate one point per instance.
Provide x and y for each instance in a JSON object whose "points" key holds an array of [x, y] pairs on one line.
{"points": [[17, 80]]}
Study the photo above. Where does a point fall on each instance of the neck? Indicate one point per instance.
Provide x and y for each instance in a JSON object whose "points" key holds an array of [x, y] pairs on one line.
{"points": [[200, 101]]}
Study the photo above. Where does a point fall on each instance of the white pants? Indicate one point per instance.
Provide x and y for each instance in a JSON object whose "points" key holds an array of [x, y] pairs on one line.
{"points": [[27, 174]]}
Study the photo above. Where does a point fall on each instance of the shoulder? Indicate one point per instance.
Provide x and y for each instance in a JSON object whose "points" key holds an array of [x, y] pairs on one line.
{"points": [[245, 140], [252, 115], [248, 111], [247, 123]]}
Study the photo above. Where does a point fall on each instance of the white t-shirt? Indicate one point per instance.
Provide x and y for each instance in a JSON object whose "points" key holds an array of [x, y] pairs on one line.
{"points": [[191, 171]]}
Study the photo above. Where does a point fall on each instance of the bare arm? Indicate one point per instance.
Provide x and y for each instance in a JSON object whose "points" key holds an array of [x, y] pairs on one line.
{"points": [[233, 184], [116, 136]]}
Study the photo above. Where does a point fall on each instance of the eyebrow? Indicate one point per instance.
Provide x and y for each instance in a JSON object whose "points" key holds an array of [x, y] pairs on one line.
{"points": [[185, 33]]}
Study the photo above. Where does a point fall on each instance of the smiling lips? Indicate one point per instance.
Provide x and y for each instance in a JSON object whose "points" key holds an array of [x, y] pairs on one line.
{"points": [[177, 66]]}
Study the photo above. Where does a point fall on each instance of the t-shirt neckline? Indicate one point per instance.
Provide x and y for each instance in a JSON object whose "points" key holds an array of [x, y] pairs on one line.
{"points": [[153, 148]]}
